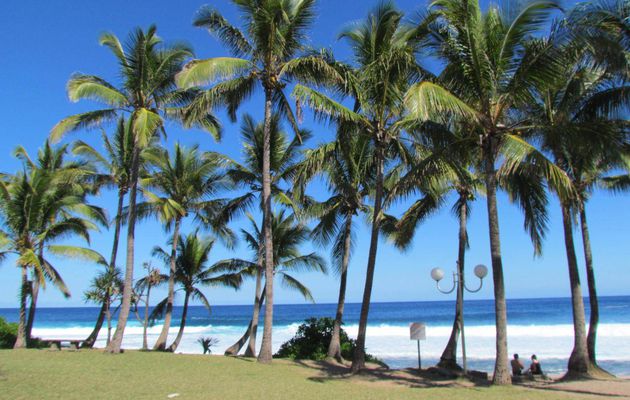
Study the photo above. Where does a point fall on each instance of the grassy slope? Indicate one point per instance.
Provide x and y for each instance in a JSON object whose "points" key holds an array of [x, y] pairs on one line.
{"points": [[39, 374]]}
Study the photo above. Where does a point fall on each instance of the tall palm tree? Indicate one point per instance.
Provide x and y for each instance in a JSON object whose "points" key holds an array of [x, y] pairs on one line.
{"points": [[38, 209], [115, 171], [192, 271], [288, 236], [579, 121], [384, 66], [284, 154], [602, 32], [491, 67], [347, 166], [146, 95], [265, 56], [182, 183], [146, 283], [105, 289]]}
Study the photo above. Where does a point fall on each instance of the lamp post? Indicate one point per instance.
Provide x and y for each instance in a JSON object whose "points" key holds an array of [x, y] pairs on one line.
{"points": [[458, 283]]}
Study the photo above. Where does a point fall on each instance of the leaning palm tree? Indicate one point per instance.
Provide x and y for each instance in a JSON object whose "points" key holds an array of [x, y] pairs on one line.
{"points": [[584, 130], [491, 68], [36, 211], [146, 96], [384, 67], [192, 272], [146, 283], [347, 167], [248, 175], [105, 289], [115, 171], [288, 236], [75, 180], [265, 56], [183, 183]]}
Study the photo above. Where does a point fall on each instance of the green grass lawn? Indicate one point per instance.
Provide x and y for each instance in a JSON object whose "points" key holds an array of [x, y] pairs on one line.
{"points": [[44, 374]]}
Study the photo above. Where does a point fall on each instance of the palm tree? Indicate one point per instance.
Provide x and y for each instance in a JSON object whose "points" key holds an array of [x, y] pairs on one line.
{"points": [[579, 121], [491, 67], [347, 167], [288, 235], [115, 170], [105, 289], [192, 271], [383, 53], [75, 177], [182, 183], [466, 185], [151, 279], [146, 95], [265, 55], [39, 208], [284, 154]]}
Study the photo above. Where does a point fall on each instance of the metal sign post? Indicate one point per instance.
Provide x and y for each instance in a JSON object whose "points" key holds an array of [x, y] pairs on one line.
{"points": [[417, 332]]}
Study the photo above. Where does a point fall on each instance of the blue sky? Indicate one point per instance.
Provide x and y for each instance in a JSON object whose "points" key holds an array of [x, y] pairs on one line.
{"points": [[44, 42]]}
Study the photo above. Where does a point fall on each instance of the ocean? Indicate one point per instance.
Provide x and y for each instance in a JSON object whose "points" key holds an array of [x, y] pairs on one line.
{"points": [[535, 326]]}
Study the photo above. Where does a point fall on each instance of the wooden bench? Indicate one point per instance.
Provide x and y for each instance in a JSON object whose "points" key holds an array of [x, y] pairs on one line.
{"points": [[55, 344]]}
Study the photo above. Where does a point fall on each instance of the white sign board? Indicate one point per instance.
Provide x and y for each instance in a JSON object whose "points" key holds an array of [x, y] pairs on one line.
{"points": [[417, 331]]}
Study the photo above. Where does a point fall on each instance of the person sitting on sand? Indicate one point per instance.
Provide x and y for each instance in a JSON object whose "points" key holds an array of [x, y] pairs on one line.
{"points": [[517, 366], [535, 368]]}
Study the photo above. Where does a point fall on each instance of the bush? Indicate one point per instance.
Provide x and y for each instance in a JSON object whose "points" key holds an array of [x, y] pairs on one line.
{"points": [[207, 342], [312, 339], [8, 334]]}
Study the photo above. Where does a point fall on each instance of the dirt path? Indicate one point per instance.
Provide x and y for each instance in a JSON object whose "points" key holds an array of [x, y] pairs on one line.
{"points": [[596, 389]]}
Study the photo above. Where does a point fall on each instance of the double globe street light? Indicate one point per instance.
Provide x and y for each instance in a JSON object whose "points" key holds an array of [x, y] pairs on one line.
{"points": [[458, 283]]}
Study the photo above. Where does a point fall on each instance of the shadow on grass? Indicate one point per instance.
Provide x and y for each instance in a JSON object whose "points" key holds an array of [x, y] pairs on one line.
{"points": [[410, 377], [241, 358]]}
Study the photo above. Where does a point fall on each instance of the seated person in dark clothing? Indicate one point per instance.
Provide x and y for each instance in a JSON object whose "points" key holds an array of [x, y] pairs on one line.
{"points": [[535, 368], [517, 366]]}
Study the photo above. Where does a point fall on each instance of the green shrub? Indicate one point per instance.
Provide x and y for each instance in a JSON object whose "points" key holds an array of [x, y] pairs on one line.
{"points": [[312, 339], [8, 334]]}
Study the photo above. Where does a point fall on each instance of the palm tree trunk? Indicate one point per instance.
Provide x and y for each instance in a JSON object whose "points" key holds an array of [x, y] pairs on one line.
{"points": [[236, 347], [449, 355], [33, 293], [160, 344], [108, 313], [578, 361], [116, 343], [182, 324], [265, 355], [591, 338], [334, 348], [501, 372], [253, 327], [91, 339], [20, 341], [88, 343], [145, 344], [32, 308], [358, 359]]}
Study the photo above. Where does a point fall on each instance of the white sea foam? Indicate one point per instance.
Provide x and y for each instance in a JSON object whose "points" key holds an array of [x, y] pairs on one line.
{"points": [[391, 343]]}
